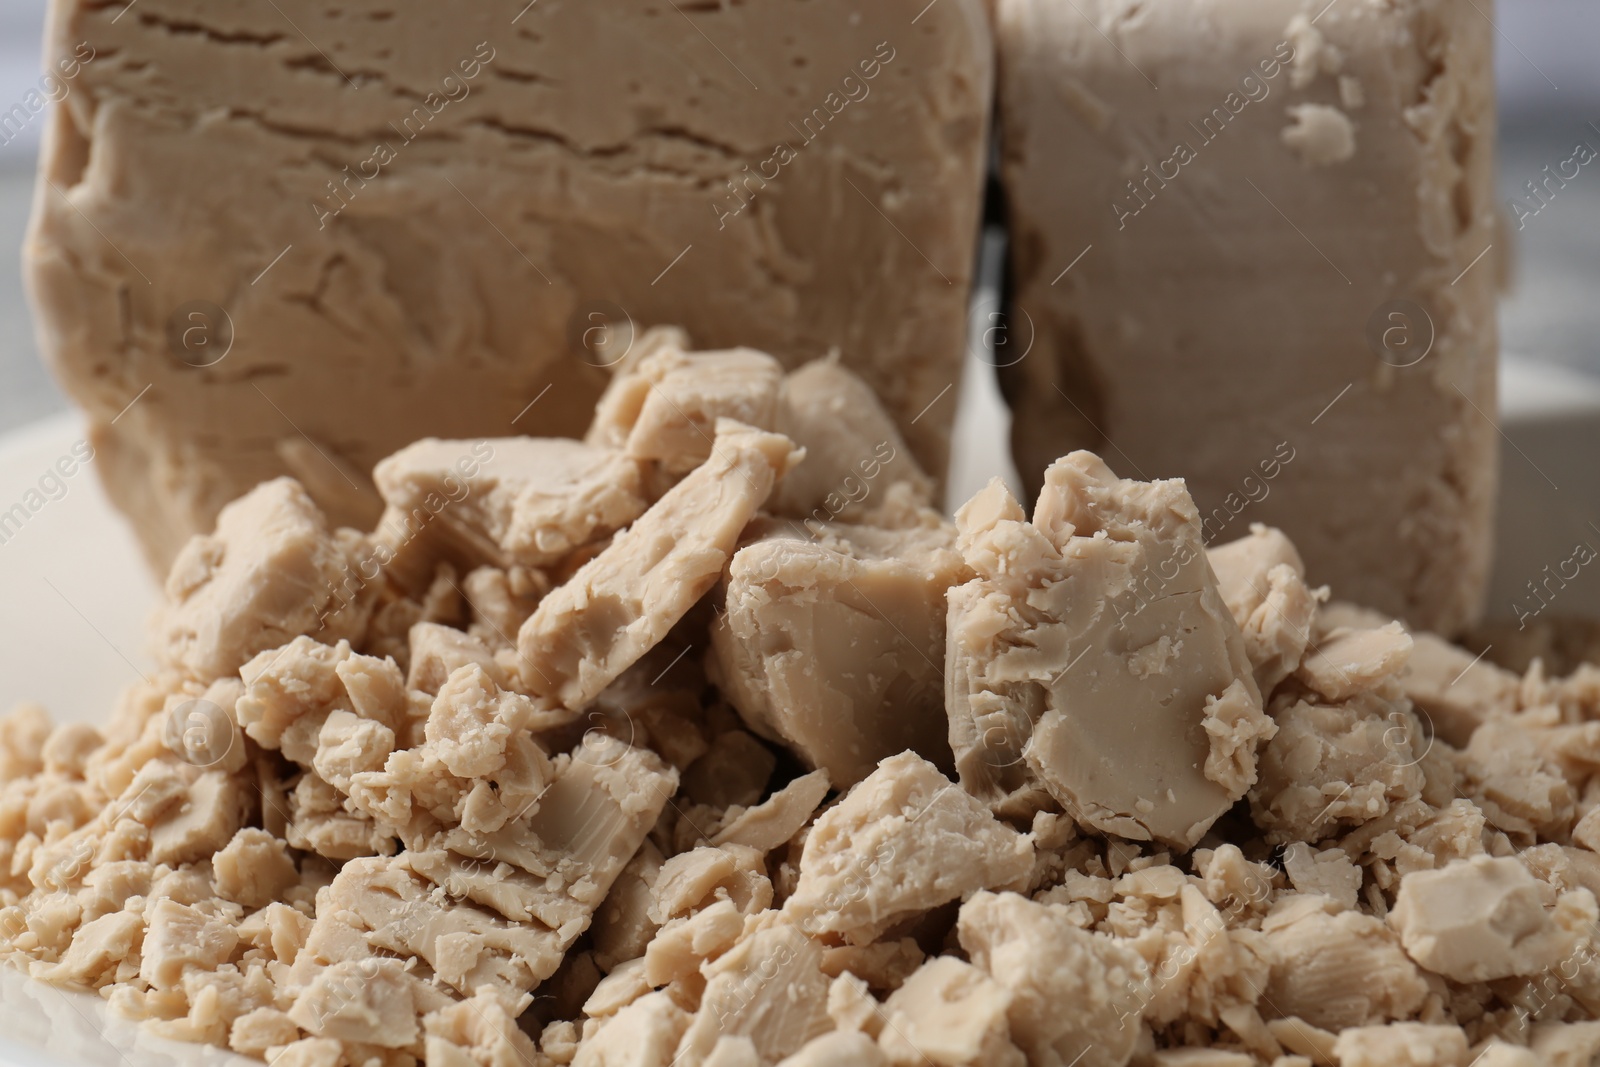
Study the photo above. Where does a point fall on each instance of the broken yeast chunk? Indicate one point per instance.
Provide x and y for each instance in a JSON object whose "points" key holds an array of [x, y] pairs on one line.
{"points": [[664, 408], [270, 571], [902, 842], [854, 451], [1094, 657], [768, 989], [952, 1014], [832, 641], [1075, 995], [1483, 918], [526, 500], [1262, 580], [621, 603]]}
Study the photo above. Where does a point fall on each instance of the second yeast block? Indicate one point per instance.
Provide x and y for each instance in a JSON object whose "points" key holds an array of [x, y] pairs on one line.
{"points": [[1246, 241]]}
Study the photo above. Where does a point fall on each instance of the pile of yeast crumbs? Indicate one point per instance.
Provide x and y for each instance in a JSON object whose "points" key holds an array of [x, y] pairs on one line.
{"points": [[707, 741]]}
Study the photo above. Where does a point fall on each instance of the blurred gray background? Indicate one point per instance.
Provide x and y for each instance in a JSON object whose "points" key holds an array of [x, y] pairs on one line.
{"points": [[1548, 66]]}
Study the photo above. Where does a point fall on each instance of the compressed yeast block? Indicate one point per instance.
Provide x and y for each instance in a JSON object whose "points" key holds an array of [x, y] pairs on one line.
{"points": [[416, 225], [1287, 238], [832, 640], [1094, 661]]}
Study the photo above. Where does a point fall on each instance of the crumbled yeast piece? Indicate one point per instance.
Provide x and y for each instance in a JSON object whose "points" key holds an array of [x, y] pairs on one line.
{"points": [[1205, 961], [254, 869], [254, 1032], [854, 451], [1348, 662], [516, 500], [1336, 970], [1337, 764], [1090, 648], [1402, 1045], [1509, 774], [501, 601], [290, 691], [1454, 691], [622, 602], [270, 571], [436, 651], [645, 1032], [902, 842], [769, 988], [97, 948], [1484, 918], [691, 880], [839, 1049], [1236, 727], [625, 984], [371, 1001], [777, 819], [178, 938], [379, 904], [952, 1014], [684, 945], [556, 861], [832, 641], [318, 821], [663, 402], [476, 765], [1075, 996], [664, 405], [1262, 580], [851, 1005], [622, 926], [477, 1031], [1328, 871]]}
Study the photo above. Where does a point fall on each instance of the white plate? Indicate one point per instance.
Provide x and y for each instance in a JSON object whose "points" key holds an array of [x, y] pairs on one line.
{"points": [[77, 592], [42, 1026], [77, 595]]}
